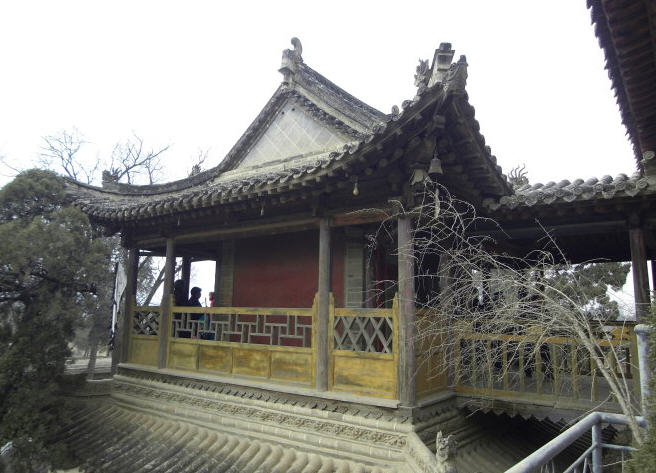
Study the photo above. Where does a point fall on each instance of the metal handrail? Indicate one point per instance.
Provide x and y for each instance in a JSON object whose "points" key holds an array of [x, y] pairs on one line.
{"points": [[549, 451]]}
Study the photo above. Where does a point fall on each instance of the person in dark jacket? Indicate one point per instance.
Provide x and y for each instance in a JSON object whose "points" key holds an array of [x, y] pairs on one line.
{"points": [[179, 295], [194, 300]]}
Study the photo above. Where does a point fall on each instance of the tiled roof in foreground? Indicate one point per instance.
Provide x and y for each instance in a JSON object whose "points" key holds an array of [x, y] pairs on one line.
{"points": [[627, 33], [566, 191], [109, 438]]}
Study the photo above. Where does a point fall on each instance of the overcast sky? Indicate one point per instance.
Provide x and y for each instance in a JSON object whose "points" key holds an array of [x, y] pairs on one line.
{"points": [[195, 74]]}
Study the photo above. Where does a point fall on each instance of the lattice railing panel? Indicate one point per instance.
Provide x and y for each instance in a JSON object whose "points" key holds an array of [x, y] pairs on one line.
{"points": [[145, 321], [364, 334], [260, 329]]}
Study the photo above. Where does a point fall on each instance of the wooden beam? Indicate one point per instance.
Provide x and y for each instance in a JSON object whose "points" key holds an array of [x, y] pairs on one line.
{"points": [[217, 275], [169, 273], [186, 273], [245, 229], [640, 274], [323, 307], [130, 294], [407, 362]]}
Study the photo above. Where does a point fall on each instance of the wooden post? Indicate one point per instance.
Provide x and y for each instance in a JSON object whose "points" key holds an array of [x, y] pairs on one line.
{"points": [[130, 294], [169, 273], [407, 362], [186, 273], [217, 276], [323, 306], [223, 294], [640, 274]]}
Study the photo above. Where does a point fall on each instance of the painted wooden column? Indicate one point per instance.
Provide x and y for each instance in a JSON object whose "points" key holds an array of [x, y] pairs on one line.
{"points": [[128, 302], [186, 273], [224, 293], [407, 362], [323, 307], [164, 325], [217, 276], [640, 274]]}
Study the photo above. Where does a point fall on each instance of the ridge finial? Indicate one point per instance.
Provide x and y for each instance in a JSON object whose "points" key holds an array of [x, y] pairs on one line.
{"points": [[291, 58]]}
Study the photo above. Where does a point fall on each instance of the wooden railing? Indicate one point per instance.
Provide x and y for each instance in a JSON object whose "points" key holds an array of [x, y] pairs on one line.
{"points": [[543, 368], [276, 343], [271, 343], [144, 335], [364, 350]]}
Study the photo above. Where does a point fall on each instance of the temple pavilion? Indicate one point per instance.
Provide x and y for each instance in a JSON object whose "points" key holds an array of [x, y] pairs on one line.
{"points": [[296, 367]]}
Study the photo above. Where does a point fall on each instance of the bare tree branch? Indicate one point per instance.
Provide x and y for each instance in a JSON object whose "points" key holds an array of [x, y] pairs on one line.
{"points": [[61, 150], [492, 322], [129, 160], [198, 161]]}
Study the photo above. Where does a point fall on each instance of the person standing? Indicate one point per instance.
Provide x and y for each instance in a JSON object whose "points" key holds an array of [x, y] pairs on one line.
{"points": [[194, 300]]}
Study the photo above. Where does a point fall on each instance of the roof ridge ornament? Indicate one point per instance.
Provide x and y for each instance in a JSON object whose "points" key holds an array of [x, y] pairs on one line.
{"points": [[291, 59], [648, 163], [441, 62], [456, 76], [426, 76]]}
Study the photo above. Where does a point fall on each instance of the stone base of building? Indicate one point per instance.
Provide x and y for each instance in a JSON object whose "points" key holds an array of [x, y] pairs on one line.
{"points": [[153, 421]]}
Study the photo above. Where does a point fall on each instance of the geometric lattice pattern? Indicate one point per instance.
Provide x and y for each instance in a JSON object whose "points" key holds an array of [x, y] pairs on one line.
{"points": [[259, 329], [367, 334], [145, 322]]}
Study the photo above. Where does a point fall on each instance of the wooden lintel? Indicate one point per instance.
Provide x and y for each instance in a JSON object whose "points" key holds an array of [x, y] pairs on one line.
{"points": [[274, 227], [362, 217], [534, 231]]}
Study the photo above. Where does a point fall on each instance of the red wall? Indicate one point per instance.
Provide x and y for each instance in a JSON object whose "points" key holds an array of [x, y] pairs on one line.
{"points": [[337, 266], [282, 270]]}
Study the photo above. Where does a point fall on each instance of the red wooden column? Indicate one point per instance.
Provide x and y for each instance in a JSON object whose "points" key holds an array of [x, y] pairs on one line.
{"points": [[323, 330], [406, 339], [165, 305], [640, 274], [128, 302]]}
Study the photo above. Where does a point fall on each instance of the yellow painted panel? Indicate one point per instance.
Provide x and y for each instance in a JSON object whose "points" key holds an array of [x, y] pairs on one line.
{"points": [[431, 377], [291, 366], [144, 351], [250, 362], [215, 358], [365, 376], [182, 355]]}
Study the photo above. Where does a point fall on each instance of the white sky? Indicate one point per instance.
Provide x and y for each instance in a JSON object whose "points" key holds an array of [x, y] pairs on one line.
{"points": [[195, 74]]}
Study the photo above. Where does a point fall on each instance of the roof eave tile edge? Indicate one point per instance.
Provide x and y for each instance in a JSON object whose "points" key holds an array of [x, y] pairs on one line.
{"points": [[600, 20], [549, 195]]}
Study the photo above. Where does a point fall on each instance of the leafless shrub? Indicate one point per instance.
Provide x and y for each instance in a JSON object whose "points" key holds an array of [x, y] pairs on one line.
{"points": [[506, 323]]}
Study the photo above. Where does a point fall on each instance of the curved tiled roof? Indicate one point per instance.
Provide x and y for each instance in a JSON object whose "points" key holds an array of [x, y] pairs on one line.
{"points": [[627, 34], [121, 203], [607, 187], [108, 438]]}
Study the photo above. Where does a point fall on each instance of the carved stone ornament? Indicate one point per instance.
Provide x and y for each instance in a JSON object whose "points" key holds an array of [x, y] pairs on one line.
{"points": [[456, 77], [423, 73], [445, 453], [281, 420], [109, 180], [291, 58]]}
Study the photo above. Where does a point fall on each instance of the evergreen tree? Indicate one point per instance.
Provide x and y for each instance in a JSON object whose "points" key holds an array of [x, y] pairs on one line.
{"points": [[50, 266], [588, 284]]}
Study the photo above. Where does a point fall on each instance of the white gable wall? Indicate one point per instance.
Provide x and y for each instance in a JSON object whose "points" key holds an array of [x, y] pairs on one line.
{"points": [[293, 132]]}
